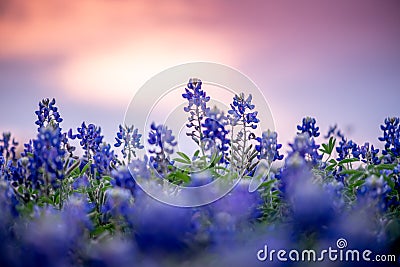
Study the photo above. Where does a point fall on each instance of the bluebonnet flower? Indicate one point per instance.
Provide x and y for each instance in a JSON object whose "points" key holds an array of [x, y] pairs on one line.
{"points": [[8, 204], [28, 149], [306, 148], [130, 138], [335, 190], [123, 178], [338, 175], [163, 145], [2, 164], [90, 138], [196, 96], [313, 209], [295, 167], [396, 177], [103, 160], [334, 132], [111, 252], [375, 192], [331, 131], [48, 114], [139, 168], [214, 133], [308, 126], [347, 149], [391, 137], [81, 182], [160, 228], [239, 111], [46, 238], [17, 174], [75, 212], [369, 154], [242, 154], [239, 206], [9, 245], [7, 147], [197, 108], [268, 147], [118, 206], [47, 154]]}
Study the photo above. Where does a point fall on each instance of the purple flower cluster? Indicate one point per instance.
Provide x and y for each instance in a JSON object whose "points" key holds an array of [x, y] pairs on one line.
{"points": [[347, 149], [103, 160], [305, 147], [239, 111], [215, 134], [196, 96], [163, 142], [334, 131], [268, 147], [391, 137], [7, 147], [47, 158], [48, 114], [90, 138], [308, 126], [198, 110], [130, 138]]}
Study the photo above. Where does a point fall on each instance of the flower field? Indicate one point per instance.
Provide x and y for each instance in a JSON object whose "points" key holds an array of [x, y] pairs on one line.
{"points": [[60, 209]]}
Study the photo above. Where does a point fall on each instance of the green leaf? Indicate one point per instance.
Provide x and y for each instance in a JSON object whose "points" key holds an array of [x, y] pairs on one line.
{"points": [[268, 184], [101, 229], [45, 199], [184, 156], [85, 168], [332, 161], [179, 176], [351, 172], [385, 166], [356, 184], [183, 177], [330, 167], [331, 145], [105, 188], [196, 153], [181, 161], [57, 200], [350, 160], [107, 178], [328, 148], [74, 169], [356, 176], [215, 158]]}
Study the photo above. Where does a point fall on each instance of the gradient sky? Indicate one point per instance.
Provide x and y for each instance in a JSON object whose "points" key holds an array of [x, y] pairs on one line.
{"points": [[336, 60]]}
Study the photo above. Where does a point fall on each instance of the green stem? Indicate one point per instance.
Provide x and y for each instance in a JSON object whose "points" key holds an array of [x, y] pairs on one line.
{"points": [[244, 146], [200, 132]]}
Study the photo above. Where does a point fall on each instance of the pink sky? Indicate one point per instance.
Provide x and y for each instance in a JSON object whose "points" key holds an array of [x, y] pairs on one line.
{"points": [[336, 60]]}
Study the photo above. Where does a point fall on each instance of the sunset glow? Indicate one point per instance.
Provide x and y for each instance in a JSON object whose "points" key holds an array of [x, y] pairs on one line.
{"points": [[94, 55]]}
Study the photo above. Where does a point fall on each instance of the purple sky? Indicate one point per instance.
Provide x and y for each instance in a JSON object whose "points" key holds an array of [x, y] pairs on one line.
{"points": [[336, 60]]}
